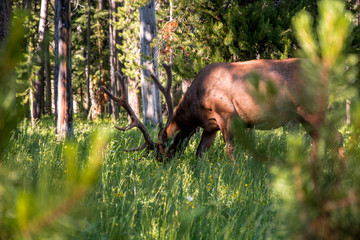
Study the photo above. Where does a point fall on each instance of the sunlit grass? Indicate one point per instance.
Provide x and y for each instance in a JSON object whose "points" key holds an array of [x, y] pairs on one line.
{"points": [[137, 197]]}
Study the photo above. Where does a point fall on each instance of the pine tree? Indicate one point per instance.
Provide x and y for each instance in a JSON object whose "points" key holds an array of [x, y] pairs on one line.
{"points": [[39, 83], [129, 51], [100, 59], [113, 58], [88, 43]]}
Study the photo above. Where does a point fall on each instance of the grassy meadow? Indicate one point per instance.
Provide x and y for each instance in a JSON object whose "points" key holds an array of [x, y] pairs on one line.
{"points": [[136, 197]]}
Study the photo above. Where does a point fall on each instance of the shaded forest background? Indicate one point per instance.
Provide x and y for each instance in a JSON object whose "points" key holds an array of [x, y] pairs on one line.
{"points": [[190, 34]]}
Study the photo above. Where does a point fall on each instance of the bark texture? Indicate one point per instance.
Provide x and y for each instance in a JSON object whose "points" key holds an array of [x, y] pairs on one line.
{"points": [[64, 99], [87, 94], [5, 13], [113, 58], [48, 79], [56, 64], [148, 59]]}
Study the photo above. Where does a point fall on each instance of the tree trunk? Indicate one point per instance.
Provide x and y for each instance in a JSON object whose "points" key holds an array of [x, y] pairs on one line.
{"points": [[64, 99], [27, 4], [88, 103], [5, 13], [32, 106], [38, 103], [348, 101], [113, 57], [56, 63], [118, 64], [97, 99], [47, 77], [148, 60], [348, 112], [111, 62]]}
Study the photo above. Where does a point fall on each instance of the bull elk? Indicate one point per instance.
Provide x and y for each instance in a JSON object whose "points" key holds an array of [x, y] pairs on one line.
{"points": [[221, 92]]}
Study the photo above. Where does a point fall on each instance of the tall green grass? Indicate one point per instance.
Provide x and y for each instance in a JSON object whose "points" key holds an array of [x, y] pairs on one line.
{"points": [[137, 197]]}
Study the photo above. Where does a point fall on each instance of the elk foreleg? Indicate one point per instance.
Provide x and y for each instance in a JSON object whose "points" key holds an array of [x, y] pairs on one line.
{"points": [[229, 141], [206, 139]]}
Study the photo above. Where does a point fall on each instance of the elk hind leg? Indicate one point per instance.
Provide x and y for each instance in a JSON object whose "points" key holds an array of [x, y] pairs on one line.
{"points": [[314, 133]]}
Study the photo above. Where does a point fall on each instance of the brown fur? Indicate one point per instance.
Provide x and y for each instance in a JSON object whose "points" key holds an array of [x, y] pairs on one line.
{"points": [[222, 91]]}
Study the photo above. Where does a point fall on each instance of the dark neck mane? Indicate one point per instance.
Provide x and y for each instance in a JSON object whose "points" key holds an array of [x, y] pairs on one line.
{"points": [[182, 121]]}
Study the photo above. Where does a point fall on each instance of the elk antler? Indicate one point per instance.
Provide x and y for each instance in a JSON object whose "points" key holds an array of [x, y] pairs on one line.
{"points": [[166, 90], [135, 122]]}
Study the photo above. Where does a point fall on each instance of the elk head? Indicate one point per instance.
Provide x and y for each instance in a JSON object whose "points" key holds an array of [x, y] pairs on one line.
{"points": [[162, 147]]}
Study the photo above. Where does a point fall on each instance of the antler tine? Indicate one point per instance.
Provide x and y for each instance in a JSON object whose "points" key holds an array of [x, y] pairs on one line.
{"points": [[135, 122], [169, 76], [143, 146], [166, 90]]}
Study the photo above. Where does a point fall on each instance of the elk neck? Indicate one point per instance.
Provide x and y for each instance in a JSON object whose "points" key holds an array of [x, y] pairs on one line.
{"points": [[182, 125]]}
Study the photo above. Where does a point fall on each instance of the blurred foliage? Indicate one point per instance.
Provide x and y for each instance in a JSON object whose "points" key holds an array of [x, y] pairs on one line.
{"points": [[10, 115], [28, 209], [318, 190], [40, 194]]}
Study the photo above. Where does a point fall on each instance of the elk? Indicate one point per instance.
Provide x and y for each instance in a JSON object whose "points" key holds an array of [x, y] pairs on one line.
{"points": [[222, 92]]}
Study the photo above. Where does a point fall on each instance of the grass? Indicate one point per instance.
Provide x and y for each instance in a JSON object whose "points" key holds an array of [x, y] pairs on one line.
{"points": [[137, 197]]}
